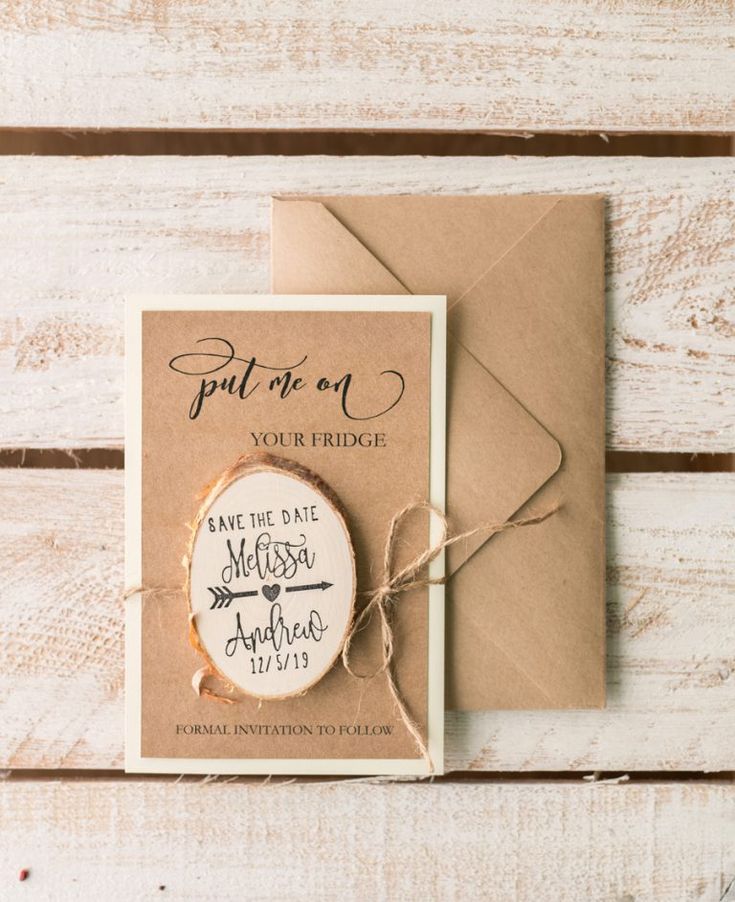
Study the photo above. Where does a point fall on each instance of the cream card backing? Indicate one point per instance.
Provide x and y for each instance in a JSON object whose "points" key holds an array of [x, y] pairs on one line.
{"points": [[269, 442]]}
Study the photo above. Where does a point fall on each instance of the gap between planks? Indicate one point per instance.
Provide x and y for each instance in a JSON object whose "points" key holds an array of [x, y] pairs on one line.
{"points": [[146, 142], [114, 459], [574, 778]]}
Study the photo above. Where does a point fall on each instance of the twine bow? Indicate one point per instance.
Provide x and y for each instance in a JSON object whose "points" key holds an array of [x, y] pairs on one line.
{"points": [[382, 600]]}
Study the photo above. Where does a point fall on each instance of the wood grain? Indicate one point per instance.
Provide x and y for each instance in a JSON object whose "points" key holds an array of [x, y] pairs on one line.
{"points": [[80, 233], [496, 65], [102, 840], [671, 676]]}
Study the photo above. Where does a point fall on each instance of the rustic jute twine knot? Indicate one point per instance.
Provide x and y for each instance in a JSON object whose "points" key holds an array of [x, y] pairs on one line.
{"points": [[382, 599]]}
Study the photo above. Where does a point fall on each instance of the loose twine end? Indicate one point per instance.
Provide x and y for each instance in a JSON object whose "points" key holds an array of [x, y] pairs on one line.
{"points": [[383, 598]]}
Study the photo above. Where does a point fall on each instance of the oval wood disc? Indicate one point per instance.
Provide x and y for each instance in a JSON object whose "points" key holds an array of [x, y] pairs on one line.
{"points": [[271, 579]]}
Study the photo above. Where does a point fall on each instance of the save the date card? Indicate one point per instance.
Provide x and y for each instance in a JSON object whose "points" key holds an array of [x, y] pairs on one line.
{"points": [[281, 457]]}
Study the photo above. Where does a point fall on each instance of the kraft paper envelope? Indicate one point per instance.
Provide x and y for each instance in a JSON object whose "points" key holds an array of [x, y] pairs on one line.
{"points": [[524, 282]]}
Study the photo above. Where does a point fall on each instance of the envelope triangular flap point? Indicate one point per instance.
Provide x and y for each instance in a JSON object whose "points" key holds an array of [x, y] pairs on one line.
{"points": [[327, 245]]}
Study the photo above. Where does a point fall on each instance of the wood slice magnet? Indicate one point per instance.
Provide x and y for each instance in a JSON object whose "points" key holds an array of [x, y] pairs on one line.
{"points": [[271, 578]]}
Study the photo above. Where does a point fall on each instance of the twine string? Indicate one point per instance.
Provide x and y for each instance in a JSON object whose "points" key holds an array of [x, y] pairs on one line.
{"points": [[382, 600]]}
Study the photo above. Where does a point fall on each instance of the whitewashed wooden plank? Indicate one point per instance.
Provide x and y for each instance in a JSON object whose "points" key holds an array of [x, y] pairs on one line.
{"points": [[78, 233], [472, 65], [671, 634], [61, 694], [584, 843]]}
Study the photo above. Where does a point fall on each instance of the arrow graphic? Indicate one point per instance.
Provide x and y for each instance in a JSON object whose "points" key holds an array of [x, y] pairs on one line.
{"points": [[322, 585], [223, 596]]}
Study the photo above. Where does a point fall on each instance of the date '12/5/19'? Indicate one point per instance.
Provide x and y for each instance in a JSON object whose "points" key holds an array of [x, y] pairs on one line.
{"points": [[261, 664]]}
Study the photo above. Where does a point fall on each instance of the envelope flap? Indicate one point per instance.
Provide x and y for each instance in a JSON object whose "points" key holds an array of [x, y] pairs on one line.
{"points": [[312, 252], [504, 318], [439, 245], [498, 455]]}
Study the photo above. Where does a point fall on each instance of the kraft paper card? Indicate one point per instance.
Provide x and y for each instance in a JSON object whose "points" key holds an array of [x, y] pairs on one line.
{"points": [[524, 280], [269, 443]]}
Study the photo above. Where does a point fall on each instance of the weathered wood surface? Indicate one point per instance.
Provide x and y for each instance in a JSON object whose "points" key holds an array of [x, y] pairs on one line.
{"points": [[79, 233], [671, 634], [496, 65], [585, 843]]}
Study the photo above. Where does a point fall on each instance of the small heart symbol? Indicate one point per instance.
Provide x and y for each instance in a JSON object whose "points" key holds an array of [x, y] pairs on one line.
{"points": [[271, 592]]}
